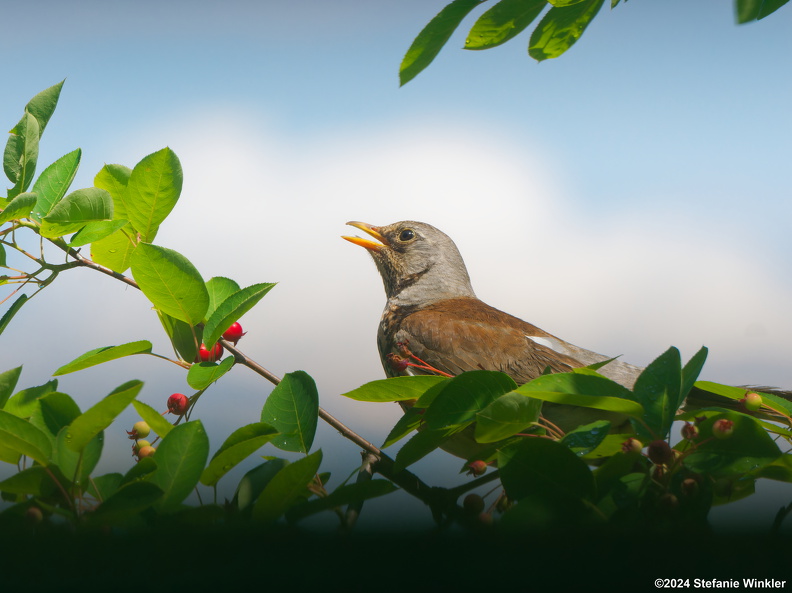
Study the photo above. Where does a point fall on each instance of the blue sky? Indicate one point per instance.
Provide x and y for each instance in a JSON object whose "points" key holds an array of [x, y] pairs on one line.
{"points": [[630, 195]]}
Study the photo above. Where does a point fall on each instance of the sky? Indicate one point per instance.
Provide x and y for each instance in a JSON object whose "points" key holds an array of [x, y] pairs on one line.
{"points": [[631, 195]]}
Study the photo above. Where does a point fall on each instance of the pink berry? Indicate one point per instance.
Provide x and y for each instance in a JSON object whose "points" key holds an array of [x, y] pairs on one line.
{"points": [[139, 445], [233, 333], [723, 428], [689, 431], [146, 451], [477, 468], [178, 404], [659, 452], [632, 445]]}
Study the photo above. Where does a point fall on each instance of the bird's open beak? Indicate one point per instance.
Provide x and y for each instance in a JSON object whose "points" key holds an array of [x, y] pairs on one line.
{"points": [[371, 230]]}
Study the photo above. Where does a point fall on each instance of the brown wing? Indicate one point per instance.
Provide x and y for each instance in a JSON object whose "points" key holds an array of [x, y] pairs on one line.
{"points": [[466, 334]]}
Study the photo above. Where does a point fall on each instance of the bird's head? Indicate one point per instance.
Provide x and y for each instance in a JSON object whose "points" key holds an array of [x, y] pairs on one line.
{"points": [[419, 264]]}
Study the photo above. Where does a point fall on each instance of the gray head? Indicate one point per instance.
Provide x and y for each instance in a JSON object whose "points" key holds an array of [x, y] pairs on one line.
{"points": [[419, 264]]}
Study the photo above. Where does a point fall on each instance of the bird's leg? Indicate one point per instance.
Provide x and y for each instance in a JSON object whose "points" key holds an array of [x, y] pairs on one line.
{"points": [[403, 360]]}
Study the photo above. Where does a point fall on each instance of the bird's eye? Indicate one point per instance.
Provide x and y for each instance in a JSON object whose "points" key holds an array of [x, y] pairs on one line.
{"points": [[407, 235]]}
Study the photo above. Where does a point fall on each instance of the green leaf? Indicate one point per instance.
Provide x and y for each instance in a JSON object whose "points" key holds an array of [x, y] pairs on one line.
{"points": [[202, 375], [57, 411], [242, 443], [25, 402], [747, 449], [465, 395], [502, 22], [170, 282], [546, 468], [231, 309], [587, 438], [219, 289], [287, 487], [19, 207], [185, 339], [104, 354], [410, 421], [140, 471], [114, 179], [751, 10], [99, 416], [180, 459], [77, 466], [254, 482], [154, 419], [343, 495], [658, 389], [127, 502], [35, 481], [21, 436], [21, 154], [433, 37], [690, 373], [421, 444], [12, 310], [94, 231], [42, 106], [114, 251], [76, 210], [54, 181], [8, 381], [560, 28], [507, 415], [293, 409], [395, 389], [152, 191], [103, 487]]}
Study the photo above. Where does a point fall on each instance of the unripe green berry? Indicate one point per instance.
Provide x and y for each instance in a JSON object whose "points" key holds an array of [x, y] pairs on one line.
{"points": [[141, 429], [752, 401], [139, 445]]}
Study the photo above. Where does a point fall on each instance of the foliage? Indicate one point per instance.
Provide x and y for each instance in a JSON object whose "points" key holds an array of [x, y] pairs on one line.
{"points": [[559, 29], [589, 475]]}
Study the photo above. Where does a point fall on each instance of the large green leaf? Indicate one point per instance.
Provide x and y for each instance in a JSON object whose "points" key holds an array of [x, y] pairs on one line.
{"points": [[104, 354], [152, 191], [58, 410], [219, 289], [35, 481], [154, 419], [293, 409], [21, 154], [658, 389], [543, 467], [185, 338], [507, 415], [114, 179], [395, 388], [585, 439], [288, 487], [202, 375], [433, 37], [410, 421], [20, 435], [170, 282], [751, 10], [502, 22], [231, 309], [343, 495], [95, 231], [180, 460], [42, 106], [253, 483], [465, 395], [77, 467], [8, 381], [19, 207], [25, 402], [242, 443], [421, 444], [54, 181], [127, 502], [12, 310], [76, 210], [99, 416], [560, 28], [115, 250]]}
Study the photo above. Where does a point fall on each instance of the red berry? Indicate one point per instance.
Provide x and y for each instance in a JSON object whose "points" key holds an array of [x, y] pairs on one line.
{"points": [[146, 451], [632, 445], [212, 355], [659, 452], [473, 504], [178, 404], [689, 431], [233, 333], [477, 468], [723, 428]]}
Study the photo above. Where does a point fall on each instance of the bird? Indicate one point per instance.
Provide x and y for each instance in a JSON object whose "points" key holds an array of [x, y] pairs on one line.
{"points": [[433, 313]]}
